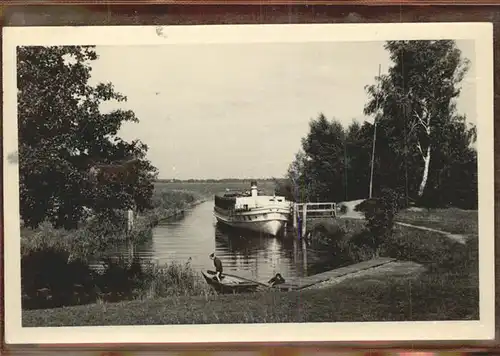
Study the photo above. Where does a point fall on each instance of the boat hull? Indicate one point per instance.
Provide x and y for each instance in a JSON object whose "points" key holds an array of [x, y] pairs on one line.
{"points": [[266, 214], [270, 223]]}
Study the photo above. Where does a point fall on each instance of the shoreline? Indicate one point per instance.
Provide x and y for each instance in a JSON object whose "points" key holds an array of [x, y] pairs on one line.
{"points": [[392, 292], [180, 212], [427, 248]]}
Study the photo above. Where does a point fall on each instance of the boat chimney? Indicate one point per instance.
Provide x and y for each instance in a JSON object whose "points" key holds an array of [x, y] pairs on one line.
{"points": [[253, 188]]}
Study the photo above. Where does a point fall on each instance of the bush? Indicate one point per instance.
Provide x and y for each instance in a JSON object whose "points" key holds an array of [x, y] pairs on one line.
{"points": [[326, 232], [379, 214], [50, 279], [436, 251], [176, 280], [349, 252], [339, 239], [166, 198]]}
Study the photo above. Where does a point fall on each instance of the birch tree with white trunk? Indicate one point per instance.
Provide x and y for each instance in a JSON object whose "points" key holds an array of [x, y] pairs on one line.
{"points": [[415, 101]]}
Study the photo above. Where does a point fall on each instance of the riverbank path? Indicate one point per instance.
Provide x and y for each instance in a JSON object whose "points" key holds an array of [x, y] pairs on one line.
{"points": [[352, 214]]}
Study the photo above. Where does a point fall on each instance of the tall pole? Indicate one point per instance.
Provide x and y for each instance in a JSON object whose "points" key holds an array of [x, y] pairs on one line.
{"points": [[374, 137], [345, 169]]}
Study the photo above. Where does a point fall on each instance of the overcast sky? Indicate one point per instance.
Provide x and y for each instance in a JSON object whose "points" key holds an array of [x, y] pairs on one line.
{"points": [[240, 110]]}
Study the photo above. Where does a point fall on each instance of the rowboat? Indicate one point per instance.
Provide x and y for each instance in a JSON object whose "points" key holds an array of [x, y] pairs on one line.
{"points": [[231, 283]]}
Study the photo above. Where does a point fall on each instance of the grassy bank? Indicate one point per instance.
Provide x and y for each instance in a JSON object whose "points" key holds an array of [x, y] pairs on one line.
{"points": [[168, 202], [345, 239], [452, 295], [447, 290], [93, 236], [337, 240], [56, 269], [452, 220], [57, 282]]}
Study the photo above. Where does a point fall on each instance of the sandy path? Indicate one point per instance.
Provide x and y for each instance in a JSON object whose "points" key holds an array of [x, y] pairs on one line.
{"points": [[351, 214], [457, 237]]}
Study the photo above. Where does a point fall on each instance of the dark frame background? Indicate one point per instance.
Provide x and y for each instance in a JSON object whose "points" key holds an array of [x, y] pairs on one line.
{"points": [[223, 12]]}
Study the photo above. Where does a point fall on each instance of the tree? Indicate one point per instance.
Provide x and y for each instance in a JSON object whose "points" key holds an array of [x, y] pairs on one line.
{"points": [[319, 168], [296, 178], [417, 107], [67, 144], [358, 156], [454, 168], [284, 188]]}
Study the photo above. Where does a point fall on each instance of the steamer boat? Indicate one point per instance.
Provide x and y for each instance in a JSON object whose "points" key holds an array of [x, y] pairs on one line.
{"points": [[252, 211]]}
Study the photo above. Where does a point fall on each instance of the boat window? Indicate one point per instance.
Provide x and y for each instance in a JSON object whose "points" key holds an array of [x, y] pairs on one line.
{"points": [[280, 199]]}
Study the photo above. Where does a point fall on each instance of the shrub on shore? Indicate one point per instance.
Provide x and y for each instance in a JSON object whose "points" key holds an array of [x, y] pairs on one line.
{"points": [[338, 237], [50, 279], [96, 233], [354, 240], [174, 279], [166, 198], [55, 261], [379, 214], [90, 239]]}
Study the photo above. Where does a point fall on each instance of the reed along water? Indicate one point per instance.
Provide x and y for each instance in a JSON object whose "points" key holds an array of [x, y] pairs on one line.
{"points": [[196, 235]]}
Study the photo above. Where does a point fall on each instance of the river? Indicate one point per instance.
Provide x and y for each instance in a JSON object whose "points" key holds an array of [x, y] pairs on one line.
{"points": [[196, 235]]}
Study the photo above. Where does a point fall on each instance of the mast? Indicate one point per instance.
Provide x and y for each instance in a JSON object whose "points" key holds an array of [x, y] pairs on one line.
{"points": [[374, 138]]}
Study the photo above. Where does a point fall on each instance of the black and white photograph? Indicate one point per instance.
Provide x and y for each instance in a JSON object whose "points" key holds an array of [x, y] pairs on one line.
{"points": [[331, 182]]}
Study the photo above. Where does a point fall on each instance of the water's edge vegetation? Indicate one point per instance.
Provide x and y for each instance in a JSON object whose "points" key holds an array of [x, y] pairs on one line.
{"points": [[451, 267], [56, 263], [451, 276]]}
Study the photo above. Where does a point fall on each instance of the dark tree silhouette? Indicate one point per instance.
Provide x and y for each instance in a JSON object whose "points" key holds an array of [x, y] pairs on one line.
{"points": [[68, 147], [424, 149], [417, 117]]}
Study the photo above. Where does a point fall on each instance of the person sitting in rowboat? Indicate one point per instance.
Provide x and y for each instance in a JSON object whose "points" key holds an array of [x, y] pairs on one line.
{"points": [[277, 279], [217, 265]]}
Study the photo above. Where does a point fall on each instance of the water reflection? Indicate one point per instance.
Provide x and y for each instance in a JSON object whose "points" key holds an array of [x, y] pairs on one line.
{"points": [[256, 256], [247, 254]]}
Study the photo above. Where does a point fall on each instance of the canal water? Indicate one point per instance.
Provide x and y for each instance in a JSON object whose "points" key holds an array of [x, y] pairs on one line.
{"points": [[196, 235]]}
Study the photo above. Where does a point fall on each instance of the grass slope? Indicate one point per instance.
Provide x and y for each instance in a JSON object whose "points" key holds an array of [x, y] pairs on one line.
{"points": [[452, 220], [375, 297], [447, 290]]}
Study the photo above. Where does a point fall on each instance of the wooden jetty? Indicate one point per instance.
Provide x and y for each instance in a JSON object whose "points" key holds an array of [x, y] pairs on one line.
{"points": [[306, 212], [304, 282]]}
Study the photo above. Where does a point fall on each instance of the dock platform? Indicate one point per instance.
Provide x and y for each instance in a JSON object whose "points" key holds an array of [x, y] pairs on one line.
{"points": [[298, 283]]}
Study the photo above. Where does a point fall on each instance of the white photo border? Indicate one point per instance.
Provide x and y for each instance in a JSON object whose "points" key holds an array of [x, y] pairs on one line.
{"points": [[480, 33]]}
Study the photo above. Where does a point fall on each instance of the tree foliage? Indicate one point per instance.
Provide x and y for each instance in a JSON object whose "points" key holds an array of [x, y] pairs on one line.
{"points": [[68, 146], [317, 173], [379, 214], [419, 128], [424, 148]]}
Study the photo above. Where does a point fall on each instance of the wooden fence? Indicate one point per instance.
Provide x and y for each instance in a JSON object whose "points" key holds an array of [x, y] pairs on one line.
{"points": [[307, 211]]}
